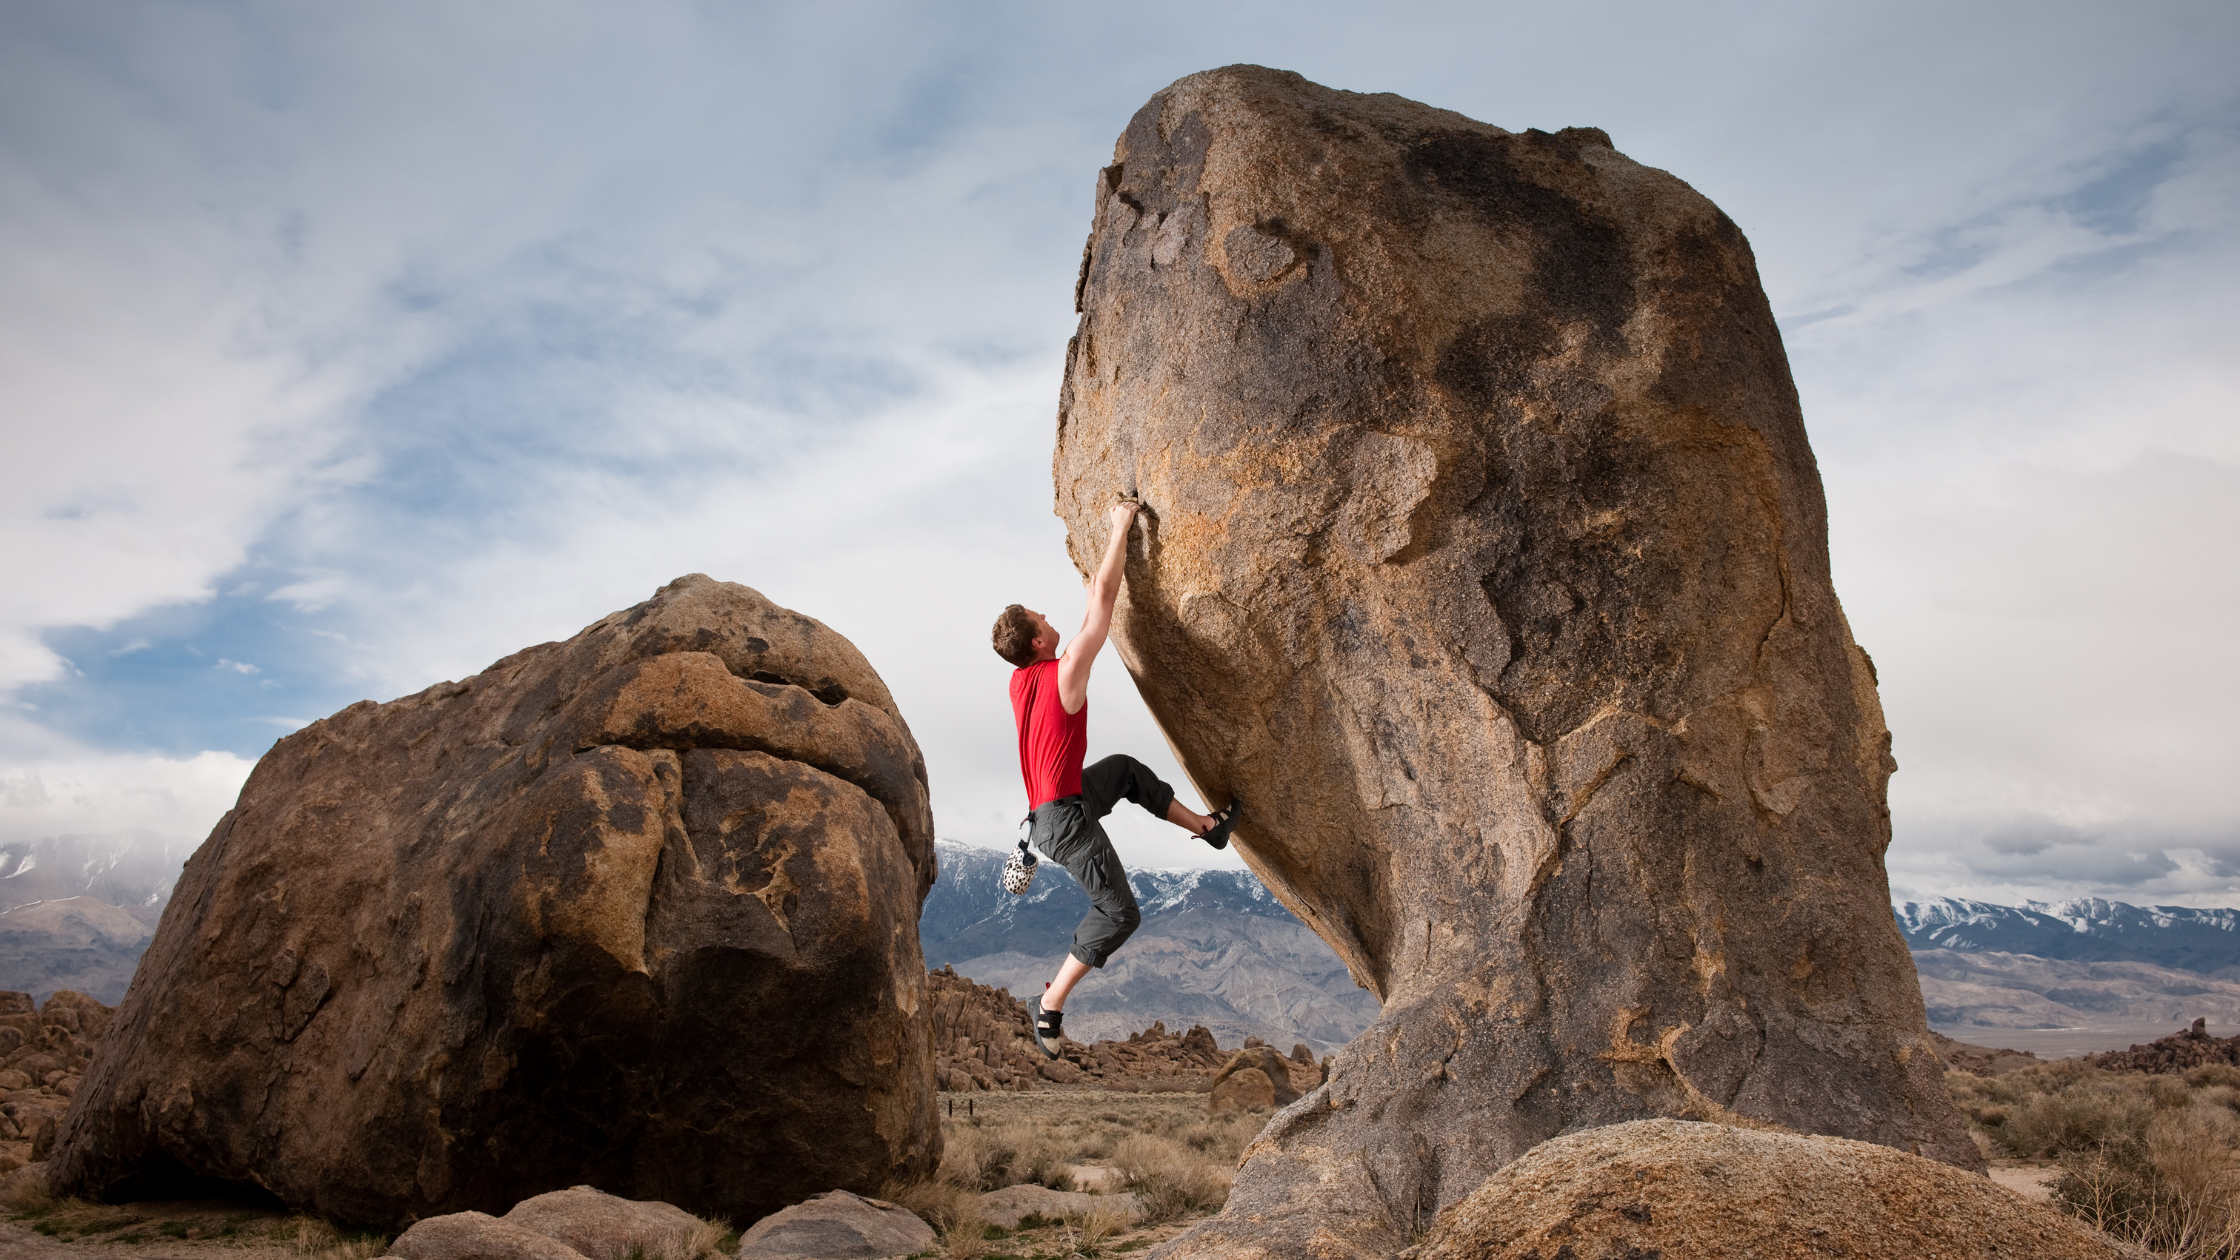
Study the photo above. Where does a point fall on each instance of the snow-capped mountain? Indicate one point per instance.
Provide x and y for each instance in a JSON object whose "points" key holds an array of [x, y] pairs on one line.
{"points": [[133, 870], [1215, 948], [2089, 929]]}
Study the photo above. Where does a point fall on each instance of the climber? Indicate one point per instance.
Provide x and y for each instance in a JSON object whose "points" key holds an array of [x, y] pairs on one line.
{"points": [[1050, 700]]}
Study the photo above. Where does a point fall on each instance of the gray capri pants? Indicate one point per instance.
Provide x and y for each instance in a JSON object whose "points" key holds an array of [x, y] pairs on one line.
{"points": [[1068, 833]]}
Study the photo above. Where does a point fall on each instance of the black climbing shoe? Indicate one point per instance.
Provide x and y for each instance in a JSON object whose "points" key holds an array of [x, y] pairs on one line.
{"points": [[1224, 822], [1049, 1027]]}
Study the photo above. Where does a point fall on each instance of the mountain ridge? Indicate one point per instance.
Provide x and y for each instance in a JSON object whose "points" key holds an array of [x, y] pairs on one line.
{"points": [[2084, 929], [1215, 948]]}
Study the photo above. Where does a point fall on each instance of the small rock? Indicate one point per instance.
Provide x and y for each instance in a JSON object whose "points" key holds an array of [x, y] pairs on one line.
{"points": [[1060, 1072], [1242, 1090], [19, 1181], [602, 1226], [1012, 1204], [1271, 1065], [837, 1225], [1093, 1177], [476, 1236]]}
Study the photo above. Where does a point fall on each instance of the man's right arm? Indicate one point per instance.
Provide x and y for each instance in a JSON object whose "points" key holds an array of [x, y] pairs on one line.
{"points": [[1104, 590]]}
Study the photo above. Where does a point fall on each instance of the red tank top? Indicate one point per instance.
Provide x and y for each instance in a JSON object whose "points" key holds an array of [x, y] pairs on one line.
{"points": [[1052, 742]]}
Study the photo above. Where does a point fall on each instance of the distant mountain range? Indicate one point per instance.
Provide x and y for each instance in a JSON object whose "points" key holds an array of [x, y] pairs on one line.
{"points": [[76, 912], [71, 943], [132, 870], [2085, 930], [1214, 949]]}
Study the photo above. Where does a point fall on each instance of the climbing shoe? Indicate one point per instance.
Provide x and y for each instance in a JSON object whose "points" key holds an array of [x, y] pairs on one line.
{"points": [[1224, 822], [1049, 1027]]}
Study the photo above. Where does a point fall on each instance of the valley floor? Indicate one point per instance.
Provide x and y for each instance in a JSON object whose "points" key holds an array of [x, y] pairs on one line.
{"points": [[2063, 1043]]}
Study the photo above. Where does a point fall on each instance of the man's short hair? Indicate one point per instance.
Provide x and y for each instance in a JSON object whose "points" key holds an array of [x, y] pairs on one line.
{"points": [[1014, 635]]}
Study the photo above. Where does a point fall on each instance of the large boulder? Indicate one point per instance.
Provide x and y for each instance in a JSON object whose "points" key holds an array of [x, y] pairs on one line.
{"points": [[1485, 560], [637, 910], [1687, 1191]]}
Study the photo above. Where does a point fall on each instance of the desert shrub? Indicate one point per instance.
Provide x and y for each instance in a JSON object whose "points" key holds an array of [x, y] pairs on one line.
{"points": [[964, 1156], [321, 1240], [1104, 1218], [2169, 1091], [952, 1208], [1168, 1178], [2085, 1116], [709, 1240], [28, 1194], [2176, 1189], [2153, 1159], [993, 1154]]}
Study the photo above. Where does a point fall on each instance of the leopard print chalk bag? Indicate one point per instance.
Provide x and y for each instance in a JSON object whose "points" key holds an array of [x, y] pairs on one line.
{"points": [[1018, 872]]}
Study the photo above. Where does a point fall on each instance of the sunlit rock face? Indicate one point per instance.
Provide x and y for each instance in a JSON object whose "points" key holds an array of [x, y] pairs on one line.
{"points": [[1485, 559], [637, 910]]}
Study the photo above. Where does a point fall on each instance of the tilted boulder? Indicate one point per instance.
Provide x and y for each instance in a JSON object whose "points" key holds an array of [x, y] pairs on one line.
{"points": [[637, 910], [1485, 560]]}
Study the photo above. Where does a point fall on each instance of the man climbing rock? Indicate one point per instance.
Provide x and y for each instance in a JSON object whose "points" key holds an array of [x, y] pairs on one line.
{"points": [[1050, 700]]}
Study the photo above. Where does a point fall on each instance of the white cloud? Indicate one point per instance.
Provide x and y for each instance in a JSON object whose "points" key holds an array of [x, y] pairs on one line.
{"points": [[50, 788]]}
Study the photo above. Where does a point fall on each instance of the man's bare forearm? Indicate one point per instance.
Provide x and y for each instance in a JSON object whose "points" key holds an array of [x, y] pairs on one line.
{"points": [[1104, 588], [1104, 591]]}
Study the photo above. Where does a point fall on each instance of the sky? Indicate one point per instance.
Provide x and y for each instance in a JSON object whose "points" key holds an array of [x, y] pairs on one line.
{"points": [[347, 348]]}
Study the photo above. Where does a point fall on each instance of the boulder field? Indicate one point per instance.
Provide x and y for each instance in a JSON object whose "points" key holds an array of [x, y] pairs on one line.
{"points": [[1484, 558], [981, 1041], [44, 1050], [635, 910]]}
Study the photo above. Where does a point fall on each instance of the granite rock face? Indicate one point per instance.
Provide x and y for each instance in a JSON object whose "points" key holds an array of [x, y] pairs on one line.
{"points": [[637, 910], [1485, 559]]}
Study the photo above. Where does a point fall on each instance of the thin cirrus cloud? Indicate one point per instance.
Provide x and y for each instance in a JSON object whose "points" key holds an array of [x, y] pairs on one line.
{"points": [[363, 347]]}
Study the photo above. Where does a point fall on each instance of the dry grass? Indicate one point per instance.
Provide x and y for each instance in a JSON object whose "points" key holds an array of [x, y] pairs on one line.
{"points": [[28, 1194], [708, 1240], [1176, 1160], [2151, 1159], [321, 1240], [952, 1209], [1172, 1179]]}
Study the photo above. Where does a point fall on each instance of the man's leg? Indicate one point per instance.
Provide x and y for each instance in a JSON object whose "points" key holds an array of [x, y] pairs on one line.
{"points": [[1113, 915], [1121, 777], [1069, 974]]}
